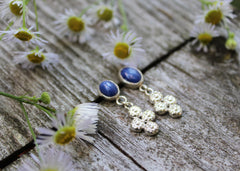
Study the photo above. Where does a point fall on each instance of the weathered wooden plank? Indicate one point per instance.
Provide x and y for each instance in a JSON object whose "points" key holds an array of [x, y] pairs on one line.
{"points": [[158, 37], [88, 157], [81, 67], [206, 137], [77, 77]]}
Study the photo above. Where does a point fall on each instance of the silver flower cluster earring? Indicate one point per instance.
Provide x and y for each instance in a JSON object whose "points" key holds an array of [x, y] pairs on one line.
{"points": [[133, 78], [141, 120]]}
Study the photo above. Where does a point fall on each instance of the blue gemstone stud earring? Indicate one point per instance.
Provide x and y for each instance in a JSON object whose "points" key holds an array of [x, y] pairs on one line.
{"points": [[141, 121], [109, 90], [133, 78]]}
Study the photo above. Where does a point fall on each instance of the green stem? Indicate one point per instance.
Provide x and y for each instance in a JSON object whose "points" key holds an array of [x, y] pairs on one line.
{"points": [[27, 1], [29, 124], [24, 14], [205, 3], [8, 27], [33, 99], [20, 99], [10, 96], [124, 26], [45, 110], [36, 15]]}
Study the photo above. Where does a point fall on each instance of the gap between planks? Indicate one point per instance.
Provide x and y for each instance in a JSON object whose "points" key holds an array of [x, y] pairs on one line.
{"points": [[28, 147]]}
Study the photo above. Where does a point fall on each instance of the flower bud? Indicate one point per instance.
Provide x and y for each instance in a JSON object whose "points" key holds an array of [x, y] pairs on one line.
{"points": [[231, 43], [45, 98]]}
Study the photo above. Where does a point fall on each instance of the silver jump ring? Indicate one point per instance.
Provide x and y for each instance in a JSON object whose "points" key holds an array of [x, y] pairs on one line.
{"points": [[148, 91], [143, 88], [128, 105], [121, 100]]}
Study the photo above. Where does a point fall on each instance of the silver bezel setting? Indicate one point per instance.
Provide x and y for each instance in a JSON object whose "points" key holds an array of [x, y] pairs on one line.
{"points": [[130, 84], [107, 97]]}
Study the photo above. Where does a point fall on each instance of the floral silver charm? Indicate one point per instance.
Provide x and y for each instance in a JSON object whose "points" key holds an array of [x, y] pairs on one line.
{"points": [[140, 120], [162, 104], [168, 104], [143, 121]]}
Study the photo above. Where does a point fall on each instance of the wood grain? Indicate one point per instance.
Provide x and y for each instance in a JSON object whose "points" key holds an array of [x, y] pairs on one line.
{"points": [[81, 68], [205, 138]]}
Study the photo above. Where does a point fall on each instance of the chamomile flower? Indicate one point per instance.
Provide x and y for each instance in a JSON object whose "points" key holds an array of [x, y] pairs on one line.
{"points": [[125, 48], [78, 123], [23, 36], [50, 160], [204, 34], [12, 11], [35, 58], [74, 27], [104, 15], [220, 12]]}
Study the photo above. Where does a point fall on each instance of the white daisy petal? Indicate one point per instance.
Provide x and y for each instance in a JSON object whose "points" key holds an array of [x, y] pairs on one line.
{"points": [[51, 159], [23, 36], [11, 11], [104, 15], [75, 28], [125, 48], [204, 33], [218, 13], [34, 58], [78, 123]]}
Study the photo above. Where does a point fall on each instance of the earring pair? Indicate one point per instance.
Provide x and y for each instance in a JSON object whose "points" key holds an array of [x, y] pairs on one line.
{"points": [[141, 121]]}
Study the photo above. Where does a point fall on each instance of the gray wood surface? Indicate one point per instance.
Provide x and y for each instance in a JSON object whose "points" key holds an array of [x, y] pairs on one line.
{"points": [[205, 138]]}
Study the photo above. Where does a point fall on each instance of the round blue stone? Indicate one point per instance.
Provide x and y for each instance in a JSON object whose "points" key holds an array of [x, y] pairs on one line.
{"points": [[131, 75], [108, 88]]}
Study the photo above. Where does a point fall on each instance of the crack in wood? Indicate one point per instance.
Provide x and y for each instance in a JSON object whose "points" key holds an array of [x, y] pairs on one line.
{"points": [[17, 154]]}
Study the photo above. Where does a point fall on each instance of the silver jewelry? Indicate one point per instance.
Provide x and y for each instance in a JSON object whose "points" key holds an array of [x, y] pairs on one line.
{"points": [[162, 104], [141, 120], [133, 78]]}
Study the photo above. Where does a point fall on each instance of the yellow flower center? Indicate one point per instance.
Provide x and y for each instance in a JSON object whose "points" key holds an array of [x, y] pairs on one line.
{"points": [[205, 38], [105, 14], [23, 35], [49, 169], [35, 58], [15, 8], [75, 24], [65, 135], [214, 17], [122, 50]]}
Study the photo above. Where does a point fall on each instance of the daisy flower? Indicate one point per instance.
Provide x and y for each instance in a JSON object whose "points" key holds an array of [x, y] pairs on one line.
{"points": [[23, 35], [35, 58], [78, 123], [217, 13], [203, 33], [125, 48], [12, 11], [104, 15], [50, 160], [76, 28]]}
